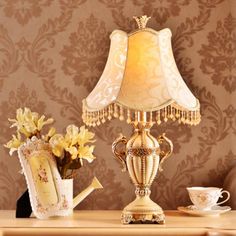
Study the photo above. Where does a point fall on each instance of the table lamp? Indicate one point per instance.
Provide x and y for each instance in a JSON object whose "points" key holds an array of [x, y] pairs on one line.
{"points": [[142, 85]]}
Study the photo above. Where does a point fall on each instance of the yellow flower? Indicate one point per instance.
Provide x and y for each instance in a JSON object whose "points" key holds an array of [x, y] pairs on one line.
{"points": [[18, 122], [57, 143], [85, 136], [71, 136], [24, 121], [86, 152], [50, 133], [73, 143], [73, 152], [41, 122], [14, 143], [29, 123]]}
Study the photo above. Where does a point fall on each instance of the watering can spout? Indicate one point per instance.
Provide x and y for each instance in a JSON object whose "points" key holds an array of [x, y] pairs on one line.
{"points": [[81, 196]]}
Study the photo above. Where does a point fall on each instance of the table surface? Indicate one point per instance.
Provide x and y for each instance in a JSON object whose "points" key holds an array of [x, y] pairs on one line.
{"points": [[108, 223]]}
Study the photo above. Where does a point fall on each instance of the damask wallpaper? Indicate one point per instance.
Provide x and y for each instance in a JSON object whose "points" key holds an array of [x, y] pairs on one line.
{"points": [[52, 53]]}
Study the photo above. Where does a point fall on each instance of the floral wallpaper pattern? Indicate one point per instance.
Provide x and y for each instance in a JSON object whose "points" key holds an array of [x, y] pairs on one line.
{"points": [[52, 53]]}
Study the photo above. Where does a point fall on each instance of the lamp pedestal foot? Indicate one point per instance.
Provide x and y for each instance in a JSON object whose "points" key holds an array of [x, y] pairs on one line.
{"points": [[143, 210], [150, 213]]}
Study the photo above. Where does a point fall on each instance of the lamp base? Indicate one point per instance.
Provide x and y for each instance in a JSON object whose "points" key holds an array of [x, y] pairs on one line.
{"points": [[142, 157], [143, 210]]}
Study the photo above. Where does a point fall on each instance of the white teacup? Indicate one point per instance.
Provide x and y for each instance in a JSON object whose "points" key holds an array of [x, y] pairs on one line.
{"points": [[204, 198]]}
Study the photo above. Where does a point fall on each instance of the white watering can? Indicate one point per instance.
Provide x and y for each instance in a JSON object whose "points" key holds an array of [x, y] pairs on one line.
{"points": [[68, 203]]}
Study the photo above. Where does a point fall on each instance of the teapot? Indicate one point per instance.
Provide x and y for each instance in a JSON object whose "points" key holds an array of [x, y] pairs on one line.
{"points": [[49, 194]]}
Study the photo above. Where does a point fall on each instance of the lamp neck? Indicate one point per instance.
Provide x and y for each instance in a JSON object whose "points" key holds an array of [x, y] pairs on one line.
{"points": [[141, 124], [142, 117]]}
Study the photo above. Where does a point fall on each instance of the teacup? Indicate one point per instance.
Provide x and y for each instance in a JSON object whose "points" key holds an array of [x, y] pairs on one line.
{"points": [[204, 198]]}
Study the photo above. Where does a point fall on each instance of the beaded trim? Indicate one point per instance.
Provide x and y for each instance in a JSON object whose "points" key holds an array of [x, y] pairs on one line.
{"points": [[171, 112]]}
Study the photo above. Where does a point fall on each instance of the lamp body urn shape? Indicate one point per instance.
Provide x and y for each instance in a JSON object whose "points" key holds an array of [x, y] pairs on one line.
{"points": [[142, 158]]}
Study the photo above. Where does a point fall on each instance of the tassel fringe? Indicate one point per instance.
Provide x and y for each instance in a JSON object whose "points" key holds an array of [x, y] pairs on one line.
{"points": [[171, 112]]}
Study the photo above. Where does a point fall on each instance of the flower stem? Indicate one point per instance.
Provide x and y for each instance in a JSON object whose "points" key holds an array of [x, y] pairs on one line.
{"points": [[64, 170]]}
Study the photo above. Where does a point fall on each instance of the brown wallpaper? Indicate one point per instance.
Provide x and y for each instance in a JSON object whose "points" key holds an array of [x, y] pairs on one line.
{"points": [[52, 53]]}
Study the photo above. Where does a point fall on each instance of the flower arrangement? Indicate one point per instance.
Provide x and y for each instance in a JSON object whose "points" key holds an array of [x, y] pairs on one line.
{"points": [[69, 149]]}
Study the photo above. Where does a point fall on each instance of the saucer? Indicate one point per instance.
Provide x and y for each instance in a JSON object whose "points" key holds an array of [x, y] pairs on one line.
{"points": [[214, 211]]}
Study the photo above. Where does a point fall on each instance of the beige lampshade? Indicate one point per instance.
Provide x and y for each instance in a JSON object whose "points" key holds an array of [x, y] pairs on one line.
{"points": [[141, 76]]}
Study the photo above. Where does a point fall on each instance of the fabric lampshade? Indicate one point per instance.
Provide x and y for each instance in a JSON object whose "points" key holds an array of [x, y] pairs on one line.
{"points": [[141, 76]]}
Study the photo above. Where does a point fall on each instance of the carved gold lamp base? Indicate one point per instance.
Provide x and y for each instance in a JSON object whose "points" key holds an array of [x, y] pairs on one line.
{"points": [[151, 215], [142, 210], [142, 157]]}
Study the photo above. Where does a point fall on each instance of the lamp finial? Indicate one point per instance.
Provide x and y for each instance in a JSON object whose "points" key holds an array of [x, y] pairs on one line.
{"points": [[141, 21]]}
